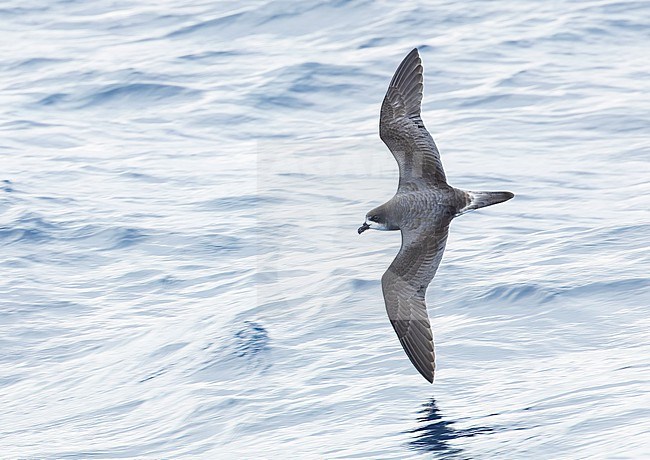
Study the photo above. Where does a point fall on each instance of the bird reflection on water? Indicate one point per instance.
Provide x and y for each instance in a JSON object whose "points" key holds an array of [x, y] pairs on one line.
{"points": [[435, 432]]}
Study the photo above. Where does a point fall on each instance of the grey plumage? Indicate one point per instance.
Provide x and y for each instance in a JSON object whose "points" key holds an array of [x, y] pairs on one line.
{"points": [[422, 209]]}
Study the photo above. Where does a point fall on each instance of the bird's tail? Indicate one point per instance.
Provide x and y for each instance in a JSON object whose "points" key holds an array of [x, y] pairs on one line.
{"points": [[482, 199]]}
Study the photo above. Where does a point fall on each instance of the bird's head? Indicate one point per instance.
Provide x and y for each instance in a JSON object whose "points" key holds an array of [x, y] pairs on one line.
{"points": [[376, 220]]}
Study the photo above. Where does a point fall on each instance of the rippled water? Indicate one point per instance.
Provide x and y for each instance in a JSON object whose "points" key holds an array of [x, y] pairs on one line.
{"points": [[180, 190]]}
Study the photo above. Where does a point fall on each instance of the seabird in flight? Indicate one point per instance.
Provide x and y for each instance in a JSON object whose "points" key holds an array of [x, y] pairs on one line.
{"points": [[422, 209]]}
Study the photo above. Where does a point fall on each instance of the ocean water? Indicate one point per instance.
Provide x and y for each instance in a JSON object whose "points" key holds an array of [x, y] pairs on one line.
{"points": [[180, 272]]}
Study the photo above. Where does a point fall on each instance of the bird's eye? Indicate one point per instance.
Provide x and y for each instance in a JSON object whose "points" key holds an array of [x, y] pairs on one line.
{"points": [[374, 218]]}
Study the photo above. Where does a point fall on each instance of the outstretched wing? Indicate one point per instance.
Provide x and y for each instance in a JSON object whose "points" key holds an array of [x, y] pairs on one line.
{"points": [[402, 129], [404, 286]]}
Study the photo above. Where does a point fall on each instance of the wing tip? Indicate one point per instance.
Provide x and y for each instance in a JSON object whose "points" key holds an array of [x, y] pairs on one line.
{"points": [[428, 374], [406, 67], [426, 366]]}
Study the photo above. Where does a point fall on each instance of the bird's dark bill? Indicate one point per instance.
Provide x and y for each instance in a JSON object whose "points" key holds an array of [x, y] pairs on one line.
{"points": [[363, 228]]}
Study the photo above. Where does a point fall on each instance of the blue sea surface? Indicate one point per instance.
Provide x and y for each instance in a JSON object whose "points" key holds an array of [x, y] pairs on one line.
{"points": [[180, 272]]}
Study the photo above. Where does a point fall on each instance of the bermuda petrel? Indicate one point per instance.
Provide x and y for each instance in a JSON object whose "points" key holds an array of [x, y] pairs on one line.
{"points": [[422, 209]]}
